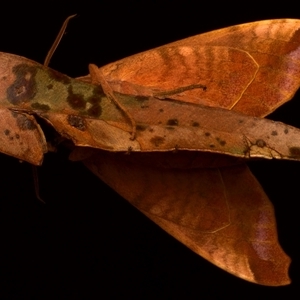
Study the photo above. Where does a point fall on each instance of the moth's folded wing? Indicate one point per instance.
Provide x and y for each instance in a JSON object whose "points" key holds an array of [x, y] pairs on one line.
{"points": [[221, 214], [22, 137]]}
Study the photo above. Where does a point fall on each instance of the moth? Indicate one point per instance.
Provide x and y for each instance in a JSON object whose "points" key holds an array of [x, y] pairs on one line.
{"points": [[170, 129]]}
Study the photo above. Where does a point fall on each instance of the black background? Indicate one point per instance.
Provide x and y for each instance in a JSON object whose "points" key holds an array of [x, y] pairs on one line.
{"points": [[87, 242]]}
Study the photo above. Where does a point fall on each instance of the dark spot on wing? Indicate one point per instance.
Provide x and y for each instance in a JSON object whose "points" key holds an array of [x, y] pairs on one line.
{"points": [[76, 101], [161, 110], [260, 143], [24, 122], [56, 76], [157, 141], [24, 87], [207, 133], [295, 152], [6, 132], [141, 127], [95, 100], [38, 106], [98, 90], [274, 132], [172, 122], [77, 122], [286, 131], [141, 98], [212, 146], [95, 111], [195, 124], [221, 142], [50, 86]]}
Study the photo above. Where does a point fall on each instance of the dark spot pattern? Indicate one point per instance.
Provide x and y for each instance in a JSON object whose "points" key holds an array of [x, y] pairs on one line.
{"points": [[207, 133], [38, 106], [172, 122], [24, 87], [77, 122], [274, 132], [212, 146], [260, 143], [157, 141], [141, 127], [95, 100], [294, 152], [98, 90], [161, 110], [24, 123], [76, 101], [95, 111], [286, 131], [6, 132], [141, 98], [50, 86], [195, 124], [221, 142]]}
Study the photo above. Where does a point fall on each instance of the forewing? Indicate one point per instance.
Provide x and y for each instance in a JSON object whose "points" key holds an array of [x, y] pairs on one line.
{"points": [[252, 68]]}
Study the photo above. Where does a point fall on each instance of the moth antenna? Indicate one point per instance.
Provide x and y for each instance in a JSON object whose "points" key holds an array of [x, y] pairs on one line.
{"points": [[46, 63], [57, 40], [97, 77], [36, 183]]}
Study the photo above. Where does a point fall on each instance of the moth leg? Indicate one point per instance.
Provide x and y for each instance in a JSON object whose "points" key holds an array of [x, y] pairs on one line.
{"points": [[179, 90], [97, 77]]}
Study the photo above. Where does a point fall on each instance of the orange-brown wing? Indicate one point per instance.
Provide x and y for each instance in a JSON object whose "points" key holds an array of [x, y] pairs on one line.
{"points": [[252, 68], [22, 137], [220, 213]]}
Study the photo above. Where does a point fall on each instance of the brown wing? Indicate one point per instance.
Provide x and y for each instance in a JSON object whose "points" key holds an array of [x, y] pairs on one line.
{"points": [[252, 68], [220, 213]]}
